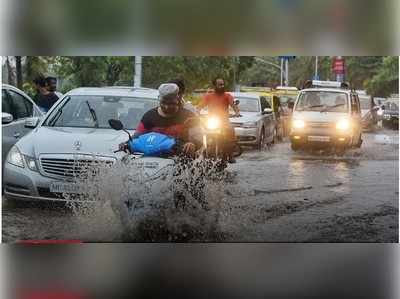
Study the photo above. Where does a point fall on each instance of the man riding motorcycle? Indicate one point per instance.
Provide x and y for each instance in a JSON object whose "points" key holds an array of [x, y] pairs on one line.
{"points": [[218, 103], [168, 119]]}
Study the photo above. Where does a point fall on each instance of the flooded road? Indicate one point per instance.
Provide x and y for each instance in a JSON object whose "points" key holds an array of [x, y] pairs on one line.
{"points": [[275, 195]]}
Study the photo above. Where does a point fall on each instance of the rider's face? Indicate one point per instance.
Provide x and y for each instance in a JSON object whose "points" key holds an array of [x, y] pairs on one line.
{"points": [[220, 85], [170, 104]]}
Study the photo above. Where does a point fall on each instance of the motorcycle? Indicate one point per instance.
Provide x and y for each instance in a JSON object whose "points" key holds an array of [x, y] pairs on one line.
{"points": [[188, 177]]}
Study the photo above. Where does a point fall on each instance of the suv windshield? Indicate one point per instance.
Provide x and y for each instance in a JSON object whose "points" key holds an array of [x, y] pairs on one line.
{"points": [[248, 104], [322, 101], [95, 111]]}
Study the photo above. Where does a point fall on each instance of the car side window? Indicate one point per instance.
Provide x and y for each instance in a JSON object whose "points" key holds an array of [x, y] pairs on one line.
{"points": [[264, 103], [23, 108], [5, 104]]}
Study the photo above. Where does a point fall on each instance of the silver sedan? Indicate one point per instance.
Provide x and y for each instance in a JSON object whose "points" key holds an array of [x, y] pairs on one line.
{"points": [[256, 126], [72, 135]]}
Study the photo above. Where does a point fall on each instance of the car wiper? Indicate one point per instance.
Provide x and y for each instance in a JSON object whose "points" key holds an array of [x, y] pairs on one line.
{"points": [[93, 113], [315, 106], [330, 107], [55, 117]]}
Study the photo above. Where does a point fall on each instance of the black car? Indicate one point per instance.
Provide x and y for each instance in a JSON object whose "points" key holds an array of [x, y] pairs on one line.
{"points": [[391, 116]]}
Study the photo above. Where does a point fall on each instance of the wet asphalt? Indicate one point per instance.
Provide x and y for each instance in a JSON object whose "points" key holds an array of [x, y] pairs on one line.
{"points": [[275, 195]]}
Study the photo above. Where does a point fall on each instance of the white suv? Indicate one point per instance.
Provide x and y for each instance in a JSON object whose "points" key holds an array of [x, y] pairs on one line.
{"points": [[326, 114]]}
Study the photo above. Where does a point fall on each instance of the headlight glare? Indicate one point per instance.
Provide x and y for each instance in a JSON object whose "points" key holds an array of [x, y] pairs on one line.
{"points": [[213, 123], [380, 112], [15, 157], [343, 124], [298, 124]]}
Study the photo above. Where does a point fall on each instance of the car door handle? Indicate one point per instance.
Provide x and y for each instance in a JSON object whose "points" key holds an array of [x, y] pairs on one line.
{"points": [[17, 135]]}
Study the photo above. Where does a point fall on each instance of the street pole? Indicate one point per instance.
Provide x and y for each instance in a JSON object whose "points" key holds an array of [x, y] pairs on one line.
{"points": [[287, 73], [281, 71], [138, 72], [316, 67]]}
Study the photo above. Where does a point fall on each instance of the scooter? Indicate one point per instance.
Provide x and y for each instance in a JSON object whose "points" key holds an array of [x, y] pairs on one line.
{"points": [[186, 177]]}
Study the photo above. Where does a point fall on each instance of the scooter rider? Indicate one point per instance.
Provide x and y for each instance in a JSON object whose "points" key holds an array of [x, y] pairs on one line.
{"points": [[218, 103], [169, 119]]}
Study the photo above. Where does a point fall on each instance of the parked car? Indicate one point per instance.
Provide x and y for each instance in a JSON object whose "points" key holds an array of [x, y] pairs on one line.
{"points": [[328, 115], [75, 130], [391, 115], [256, 126], [17, 111]]}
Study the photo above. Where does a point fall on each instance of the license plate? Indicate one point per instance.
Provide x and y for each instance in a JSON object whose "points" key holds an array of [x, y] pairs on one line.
{"points": [[58, 187], [319, 138]]}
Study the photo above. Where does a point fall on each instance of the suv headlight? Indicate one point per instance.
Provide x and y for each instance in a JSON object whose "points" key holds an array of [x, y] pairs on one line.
{"points": [[15, 157], [298, 124], [31, 162], [343, 124]]}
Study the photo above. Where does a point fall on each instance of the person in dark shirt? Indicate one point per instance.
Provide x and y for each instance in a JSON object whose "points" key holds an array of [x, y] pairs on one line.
{"points": [[169, 118], [44, 98]]}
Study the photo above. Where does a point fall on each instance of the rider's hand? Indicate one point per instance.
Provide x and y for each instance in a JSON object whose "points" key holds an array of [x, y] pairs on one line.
{"points": [[189, 148], [123, 147]]}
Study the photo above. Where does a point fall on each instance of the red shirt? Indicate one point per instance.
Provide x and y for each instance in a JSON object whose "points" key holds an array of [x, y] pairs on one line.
{"points": [[217, 103]]}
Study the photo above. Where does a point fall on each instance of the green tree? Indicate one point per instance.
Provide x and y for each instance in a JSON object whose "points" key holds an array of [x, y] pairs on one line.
{"points": [[386, 80]]}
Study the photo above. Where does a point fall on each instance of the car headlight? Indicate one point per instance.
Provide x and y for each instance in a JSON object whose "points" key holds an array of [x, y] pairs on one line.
{"points": [[213, 123], [31, 162], [298, 124], [343, 124], [15, 157], [387, 116], [250, 124]]}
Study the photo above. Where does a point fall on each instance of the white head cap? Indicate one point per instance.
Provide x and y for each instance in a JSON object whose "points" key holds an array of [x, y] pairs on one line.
{"points": [[168, 89]]}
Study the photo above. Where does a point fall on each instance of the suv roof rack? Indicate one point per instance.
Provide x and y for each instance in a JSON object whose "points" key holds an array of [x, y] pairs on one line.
{"points": [[326, 84]]}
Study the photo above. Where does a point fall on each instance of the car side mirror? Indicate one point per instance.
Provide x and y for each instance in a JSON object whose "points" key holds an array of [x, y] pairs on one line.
{"points": [[116, 124], [6, 118], [267, 111], [32, 122]]}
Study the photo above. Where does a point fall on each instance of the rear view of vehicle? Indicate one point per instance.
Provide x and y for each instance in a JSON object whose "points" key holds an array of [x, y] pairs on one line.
{"points": [[326, 116], [391, 115]]}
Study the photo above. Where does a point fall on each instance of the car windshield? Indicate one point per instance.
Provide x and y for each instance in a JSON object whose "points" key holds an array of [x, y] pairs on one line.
{"points": [[95, 111], [365, 102], [391, 106], [248, 104], [322, 101]]}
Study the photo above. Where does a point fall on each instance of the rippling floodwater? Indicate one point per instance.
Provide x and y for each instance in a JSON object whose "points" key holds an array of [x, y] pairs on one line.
{"points": [[273, 195]]}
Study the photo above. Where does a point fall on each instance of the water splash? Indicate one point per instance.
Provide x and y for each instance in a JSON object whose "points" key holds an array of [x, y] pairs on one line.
{"points": [[182, 200]]}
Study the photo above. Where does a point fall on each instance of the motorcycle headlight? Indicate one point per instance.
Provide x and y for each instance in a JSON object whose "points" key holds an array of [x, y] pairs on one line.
{"points": [[298, 124], [31, 163], [250, 124], [343, 124], [15, 157], [213, 123], [380, 112]]}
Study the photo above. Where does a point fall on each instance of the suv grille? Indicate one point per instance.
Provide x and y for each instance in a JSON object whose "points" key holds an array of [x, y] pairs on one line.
{"points": [[319, 124], [69, 167]]}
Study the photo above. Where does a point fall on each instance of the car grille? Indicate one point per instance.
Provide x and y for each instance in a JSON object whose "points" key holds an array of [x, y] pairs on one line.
{"points": [[70, 166]]}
